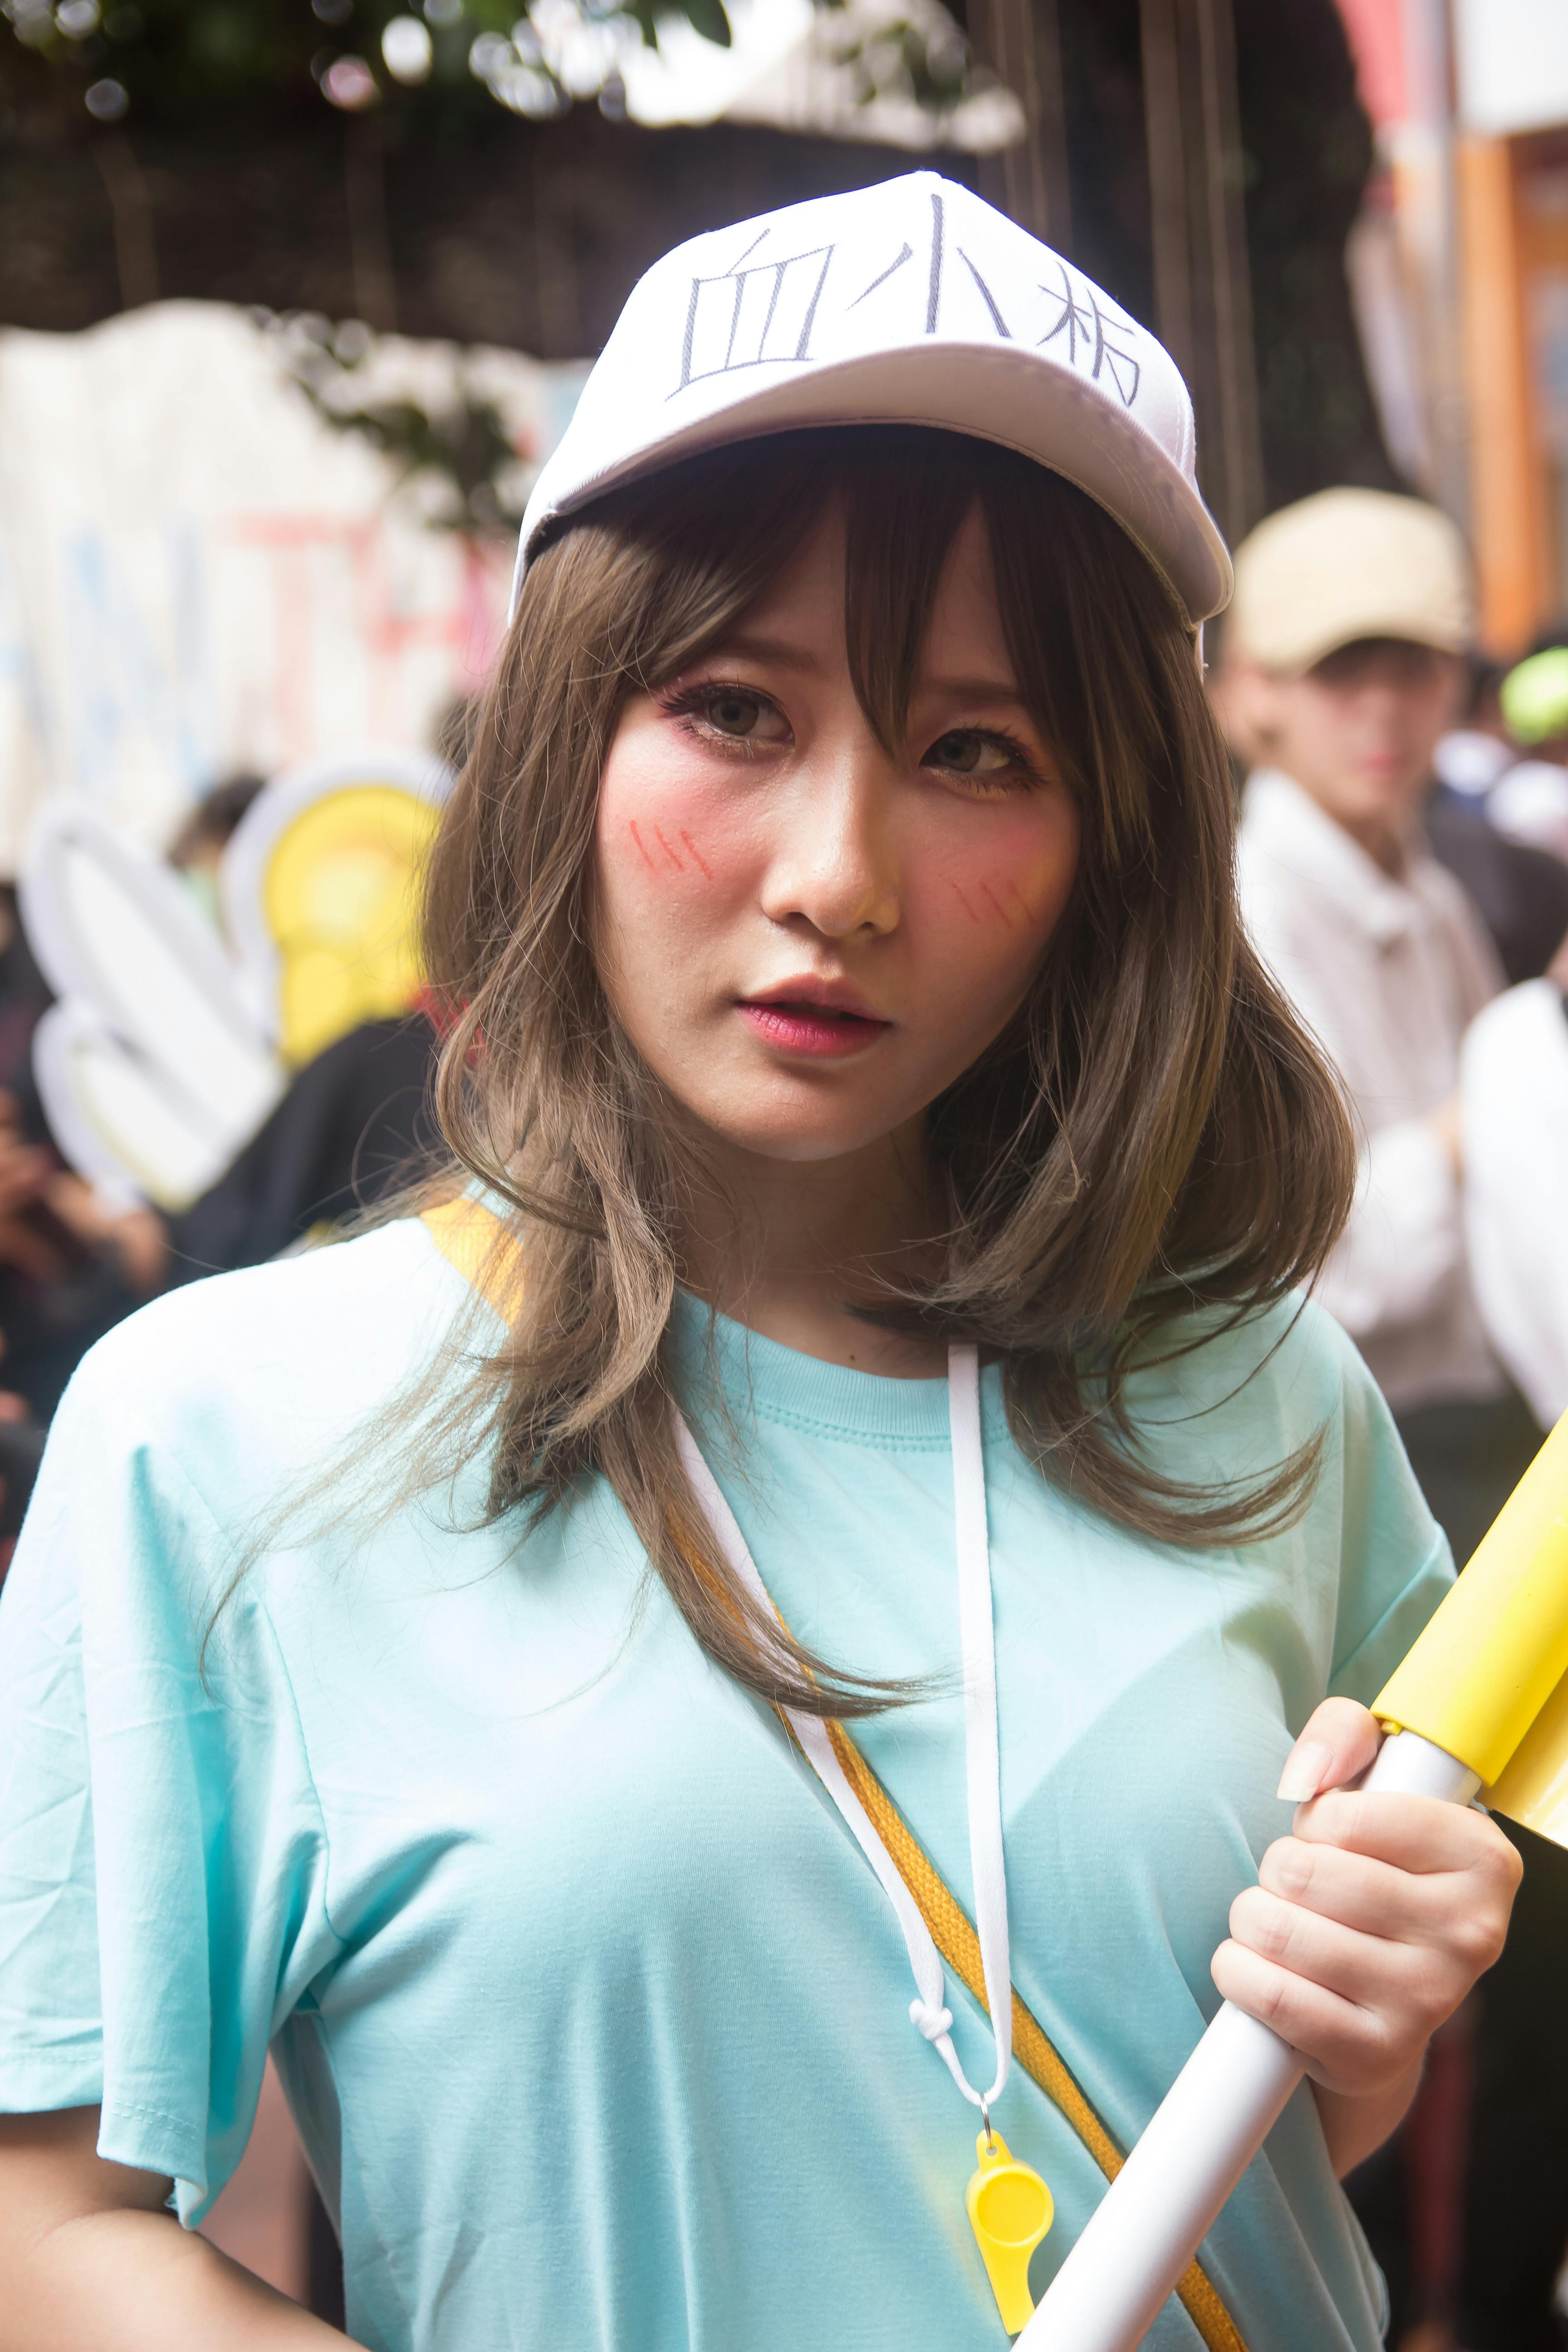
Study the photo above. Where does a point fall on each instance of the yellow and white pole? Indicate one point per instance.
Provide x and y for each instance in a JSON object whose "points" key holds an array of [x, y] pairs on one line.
{"points": [[1480, 1701]]}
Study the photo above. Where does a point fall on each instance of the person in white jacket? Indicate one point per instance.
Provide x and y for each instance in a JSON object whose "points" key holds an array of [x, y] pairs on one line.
{"points": [[1344, 665]]}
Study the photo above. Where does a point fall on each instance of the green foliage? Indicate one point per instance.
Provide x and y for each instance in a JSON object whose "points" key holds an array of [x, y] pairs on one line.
{"points": [[705, 16], [169, 55], [909, 59], [147, 59]]}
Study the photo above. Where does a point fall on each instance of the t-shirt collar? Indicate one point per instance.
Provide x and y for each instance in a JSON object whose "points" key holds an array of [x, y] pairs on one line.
{"points": [[760, 1377]]}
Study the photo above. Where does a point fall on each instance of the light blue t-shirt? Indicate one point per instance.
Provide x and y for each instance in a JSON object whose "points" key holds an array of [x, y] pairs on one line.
{"points": [[594, 2019]]}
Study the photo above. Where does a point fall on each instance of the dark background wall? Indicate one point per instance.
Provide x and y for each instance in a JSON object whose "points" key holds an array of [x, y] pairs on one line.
{"points": [[446, 216]]}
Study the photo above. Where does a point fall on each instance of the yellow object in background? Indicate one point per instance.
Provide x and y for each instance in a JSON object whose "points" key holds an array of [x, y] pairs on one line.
{"points": [[1010, 2210], [340, 894], [1486, 1681]]}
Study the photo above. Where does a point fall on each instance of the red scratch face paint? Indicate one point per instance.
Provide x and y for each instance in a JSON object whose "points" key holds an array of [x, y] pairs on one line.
{"points": [[1000, 901], [669, 858]]}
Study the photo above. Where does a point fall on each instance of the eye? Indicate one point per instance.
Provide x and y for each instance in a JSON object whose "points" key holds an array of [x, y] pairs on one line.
{"points": [[724, 714], [731, 712], [983, 760]]}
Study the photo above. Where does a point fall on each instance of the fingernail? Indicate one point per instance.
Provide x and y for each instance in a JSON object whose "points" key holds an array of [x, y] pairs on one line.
{"points": [[1304, 1772]]}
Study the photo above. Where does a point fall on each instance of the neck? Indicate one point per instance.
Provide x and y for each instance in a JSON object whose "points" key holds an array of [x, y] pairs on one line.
{"points": [[788, 1247], [1382, 836], [1381, 842]]}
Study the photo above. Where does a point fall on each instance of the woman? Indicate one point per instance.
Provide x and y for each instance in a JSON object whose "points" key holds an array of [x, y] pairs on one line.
{"points": [[836, 917]]}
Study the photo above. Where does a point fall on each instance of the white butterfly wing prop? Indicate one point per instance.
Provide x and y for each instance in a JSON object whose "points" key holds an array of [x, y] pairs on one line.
{"points": [[164, 1056], [154, 1068]]}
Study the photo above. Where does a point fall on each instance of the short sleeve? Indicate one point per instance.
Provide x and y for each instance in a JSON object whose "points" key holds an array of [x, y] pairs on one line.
{"points": [[1395, 1565], [163, 1868]]}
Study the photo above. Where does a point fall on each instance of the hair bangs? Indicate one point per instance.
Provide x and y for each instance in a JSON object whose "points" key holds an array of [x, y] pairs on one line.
{"points": [[706, 538]]}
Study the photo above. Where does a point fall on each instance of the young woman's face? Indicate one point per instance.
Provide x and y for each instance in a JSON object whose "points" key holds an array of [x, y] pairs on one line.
{"points": [[806, 939]]}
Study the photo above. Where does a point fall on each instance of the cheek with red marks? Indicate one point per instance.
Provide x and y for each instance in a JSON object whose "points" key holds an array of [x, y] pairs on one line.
{"points": [[659, 824], [1004, 887], [998, 899], [667, 838], [661, 855], [985, 887]]}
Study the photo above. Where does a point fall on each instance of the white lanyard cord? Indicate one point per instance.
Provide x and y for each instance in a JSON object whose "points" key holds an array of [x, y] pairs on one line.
{"points": [[983, 1776], [981, 1753]]}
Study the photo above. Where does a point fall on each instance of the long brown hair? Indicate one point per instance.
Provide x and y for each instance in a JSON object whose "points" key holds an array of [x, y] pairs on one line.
{"points": [[1152, 1135]]}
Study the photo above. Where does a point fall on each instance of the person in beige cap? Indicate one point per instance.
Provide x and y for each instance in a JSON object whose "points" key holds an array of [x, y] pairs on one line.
{"points": [[1344, 653], [1344, 665]]}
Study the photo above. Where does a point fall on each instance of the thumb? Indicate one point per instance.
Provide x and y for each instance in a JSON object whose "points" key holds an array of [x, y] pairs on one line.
{"points": [[1339, 1742]]}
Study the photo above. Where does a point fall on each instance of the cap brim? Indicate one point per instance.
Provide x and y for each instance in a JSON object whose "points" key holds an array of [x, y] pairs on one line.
{"points": [[1403, 628], [1050, 415]]}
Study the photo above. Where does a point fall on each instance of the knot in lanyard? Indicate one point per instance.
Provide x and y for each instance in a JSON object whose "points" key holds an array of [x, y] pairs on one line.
{"points": [[929, 2011], [932, 2022]]}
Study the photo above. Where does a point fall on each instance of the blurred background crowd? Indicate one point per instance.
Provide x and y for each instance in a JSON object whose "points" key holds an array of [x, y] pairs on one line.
{"points": [[296, 295]]}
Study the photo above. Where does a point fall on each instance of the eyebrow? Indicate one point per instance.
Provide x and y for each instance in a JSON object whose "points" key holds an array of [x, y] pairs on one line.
{"points": [[777, 650], [786, 656]]}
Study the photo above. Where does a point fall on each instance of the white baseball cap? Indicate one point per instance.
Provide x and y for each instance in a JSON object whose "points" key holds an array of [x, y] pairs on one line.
{"points": [[910, 303]]}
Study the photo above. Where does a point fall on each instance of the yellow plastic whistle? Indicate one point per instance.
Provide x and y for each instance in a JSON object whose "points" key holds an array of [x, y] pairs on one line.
{"points": [[1010, 2210]]}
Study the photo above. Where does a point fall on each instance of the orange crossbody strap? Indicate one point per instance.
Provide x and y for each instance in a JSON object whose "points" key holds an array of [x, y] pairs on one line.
{"points": [[466, 1233], [953, 1933]]}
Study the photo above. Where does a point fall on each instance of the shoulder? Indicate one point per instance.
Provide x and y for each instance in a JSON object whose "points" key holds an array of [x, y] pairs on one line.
{"points": [[221, 1448], [1454, 905], [1287, 904], [1250, 1394], [1464, 932], [1360, 1565], [1291, 1349], [258, 1373], [1444, 893], [1227, 1396]]}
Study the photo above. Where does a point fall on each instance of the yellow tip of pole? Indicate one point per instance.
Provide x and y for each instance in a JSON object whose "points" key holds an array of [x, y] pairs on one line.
{"points": [[1491, 1658]]}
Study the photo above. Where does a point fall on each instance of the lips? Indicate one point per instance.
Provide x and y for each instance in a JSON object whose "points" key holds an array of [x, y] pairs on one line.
{"points": [[827, 1021]]}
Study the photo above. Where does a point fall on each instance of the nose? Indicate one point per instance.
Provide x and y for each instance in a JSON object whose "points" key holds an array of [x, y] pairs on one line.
{"points": [[834, 864], [1384, 700]]}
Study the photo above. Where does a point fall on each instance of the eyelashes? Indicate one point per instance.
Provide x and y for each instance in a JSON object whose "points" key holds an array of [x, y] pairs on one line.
{"points": [[695, 697], [1021, 761], [694, 706]]}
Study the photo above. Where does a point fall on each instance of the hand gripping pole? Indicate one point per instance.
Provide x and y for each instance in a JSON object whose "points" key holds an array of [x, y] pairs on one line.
{"points": [[1199, 2142], [1493, 1660]]}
